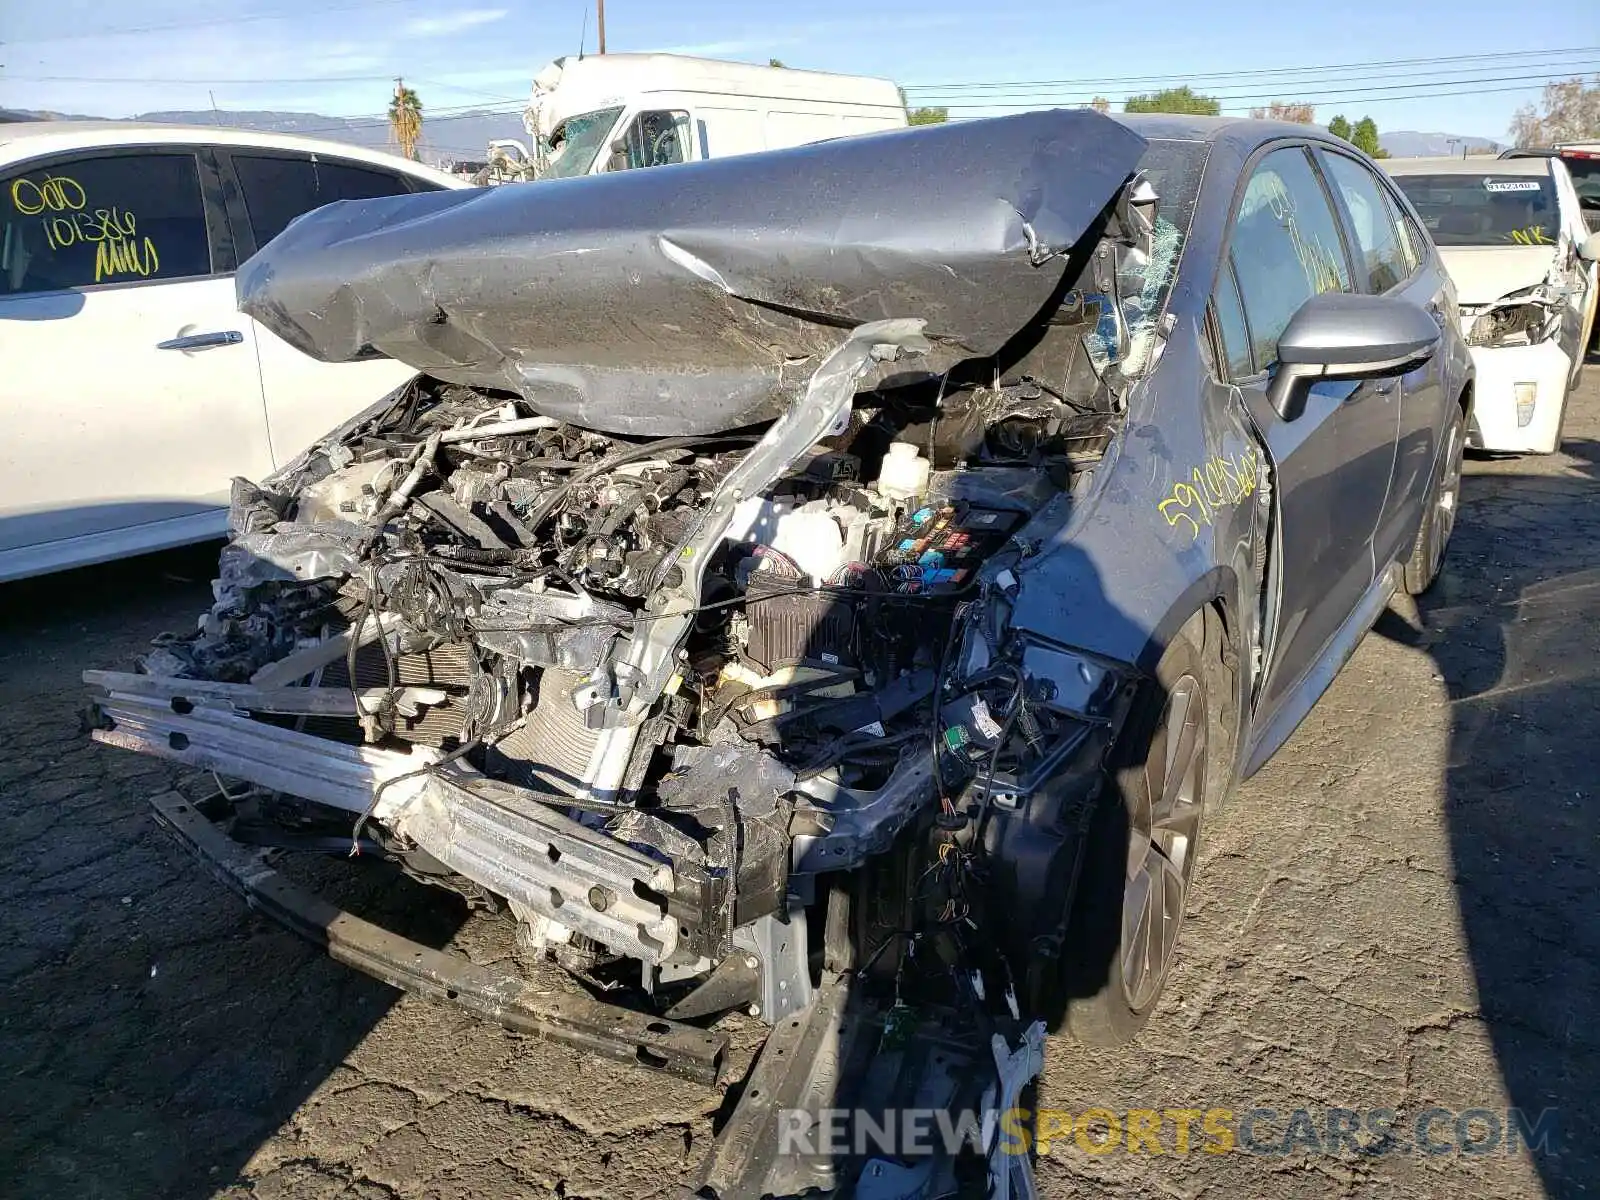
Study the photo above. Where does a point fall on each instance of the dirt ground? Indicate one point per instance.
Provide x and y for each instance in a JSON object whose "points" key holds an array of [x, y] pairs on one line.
{"points": [[1396, 913]]}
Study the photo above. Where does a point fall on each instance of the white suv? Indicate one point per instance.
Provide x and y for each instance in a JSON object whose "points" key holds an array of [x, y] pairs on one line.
{"points": [[131, 388]]}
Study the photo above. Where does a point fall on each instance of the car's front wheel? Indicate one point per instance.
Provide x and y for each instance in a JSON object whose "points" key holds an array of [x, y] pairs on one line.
{"points": [[1439, 512], [1175, 753]]}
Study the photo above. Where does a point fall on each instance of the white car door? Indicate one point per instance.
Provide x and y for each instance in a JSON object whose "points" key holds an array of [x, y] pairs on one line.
{"points": [[1575, 231], [129, 392], [306, 398]]}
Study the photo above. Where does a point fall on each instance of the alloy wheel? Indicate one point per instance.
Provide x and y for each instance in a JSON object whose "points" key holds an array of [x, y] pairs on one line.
{"points": [[1163, 831], [1446, 500]]}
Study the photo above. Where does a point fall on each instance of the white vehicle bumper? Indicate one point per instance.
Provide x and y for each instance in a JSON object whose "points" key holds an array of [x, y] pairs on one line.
{"points": [[1521, 392]]}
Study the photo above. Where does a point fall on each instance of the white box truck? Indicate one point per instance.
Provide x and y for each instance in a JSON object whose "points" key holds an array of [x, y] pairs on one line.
{"points": [[612, 112]]}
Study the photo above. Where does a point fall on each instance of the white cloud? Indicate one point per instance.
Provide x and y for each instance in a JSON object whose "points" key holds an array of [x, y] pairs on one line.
{"points": [[453, 23]]}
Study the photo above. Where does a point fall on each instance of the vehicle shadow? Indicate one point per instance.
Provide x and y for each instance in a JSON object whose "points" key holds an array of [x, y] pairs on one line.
{"points": [[156, 1033], [1513, 627], [911, 1034]]}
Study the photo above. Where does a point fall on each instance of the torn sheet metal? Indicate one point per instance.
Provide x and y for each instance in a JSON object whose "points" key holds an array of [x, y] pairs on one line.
{"points": [[699, 299]]}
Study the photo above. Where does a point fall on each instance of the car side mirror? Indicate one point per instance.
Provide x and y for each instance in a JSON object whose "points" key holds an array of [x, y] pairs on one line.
{"points": [[1341, 336], [1589, 248], [619, 156]]}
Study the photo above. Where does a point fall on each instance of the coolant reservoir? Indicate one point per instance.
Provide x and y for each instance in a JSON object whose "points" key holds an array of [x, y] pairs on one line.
{"points": [[904, 474]]}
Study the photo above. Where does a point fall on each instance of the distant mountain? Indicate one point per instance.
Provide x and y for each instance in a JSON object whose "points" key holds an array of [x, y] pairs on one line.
{"points": [[1406, 143], [454, 138]]}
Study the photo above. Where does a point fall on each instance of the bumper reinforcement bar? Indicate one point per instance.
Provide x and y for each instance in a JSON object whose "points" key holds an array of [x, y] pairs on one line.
{"points": [[499, 996]]}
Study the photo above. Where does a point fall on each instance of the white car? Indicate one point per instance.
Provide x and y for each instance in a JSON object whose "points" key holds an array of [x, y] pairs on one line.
{"points": [[131, 388], [1512, 236]]}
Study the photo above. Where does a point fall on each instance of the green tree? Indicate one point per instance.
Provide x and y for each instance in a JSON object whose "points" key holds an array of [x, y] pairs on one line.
{"points": [[1339, 127], [405, 119], [923, 116], [1364, 137], [1174, 100], [776, 62]]}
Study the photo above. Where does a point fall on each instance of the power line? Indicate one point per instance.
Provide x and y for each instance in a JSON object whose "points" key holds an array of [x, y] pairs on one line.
{"points": [[1441, 78], [1253, 73], [1244, 103]]}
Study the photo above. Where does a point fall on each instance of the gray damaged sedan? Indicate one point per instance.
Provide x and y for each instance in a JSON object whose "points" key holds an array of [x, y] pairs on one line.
{"points": [[840, 578]]}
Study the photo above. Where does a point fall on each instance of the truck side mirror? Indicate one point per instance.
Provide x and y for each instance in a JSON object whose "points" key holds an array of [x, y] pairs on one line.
{"points": [[619, 156]]}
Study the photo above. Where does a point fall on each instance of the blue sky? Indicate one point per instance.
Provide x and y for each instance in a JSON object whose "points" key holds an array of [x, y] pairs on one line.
{"points": [[338, 56]]}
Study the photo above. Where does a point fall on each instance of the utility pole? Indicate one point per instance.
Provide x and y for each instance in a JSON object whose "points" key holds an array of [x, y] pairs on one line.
{"points": [[600, 19]]}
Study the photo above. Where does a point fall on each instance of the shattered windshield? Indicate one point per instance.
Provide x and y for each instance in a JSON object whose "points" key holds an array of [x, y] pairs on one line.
{"points": [[1485, 210], [1144, 281], [576, 142]]}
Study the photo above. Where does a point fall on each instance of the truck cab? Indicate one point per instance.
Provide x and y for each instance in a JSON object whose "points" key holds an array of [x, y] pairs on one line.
{"points": [[617, 112]]}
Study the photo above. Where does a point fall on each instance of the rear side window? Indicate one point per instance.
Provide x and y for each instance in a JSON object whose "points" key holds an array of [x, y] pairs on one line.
{"points": [[112, 219], [1381, 262], [1285, 246], [1231, 326], [1413, 245], [279, 188]]}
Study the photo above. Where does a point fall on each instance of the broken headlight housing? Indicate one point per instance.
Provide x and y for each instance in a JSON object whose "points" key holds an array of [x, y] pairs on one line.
{"points": [[1525, 323]]}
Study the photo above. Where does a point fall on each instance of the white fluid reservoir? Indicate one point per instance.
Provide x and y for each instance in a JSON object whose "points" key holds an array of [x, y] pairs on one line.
{"points": [[904, 474]]}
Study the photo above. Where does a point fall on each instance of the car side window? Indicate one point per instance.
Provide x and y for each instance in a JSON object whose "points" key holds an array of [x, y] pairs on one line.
{"points": [[278, 188], [1412, 248], [1231, 325], [1380, 260], [1285, 246], [347, 181], [122, 218], [654, 139]]}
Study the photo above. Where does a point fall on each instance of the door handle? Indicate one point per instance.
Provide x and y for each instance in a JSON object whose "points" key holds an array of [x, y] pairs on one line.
{"points": [[202, 341]]}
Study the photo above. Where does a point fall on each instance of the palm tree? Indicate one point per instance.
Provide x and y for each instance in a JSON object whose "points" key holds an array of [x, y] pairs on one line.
{"points": [[405, 119]]}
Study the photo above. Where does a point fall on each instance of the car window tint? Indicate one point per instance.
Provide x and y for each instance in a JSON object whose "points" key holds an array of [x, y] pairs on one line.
{"points": [[113, 219], [279, 188], [345, 181], [1286, 247], [1231, 325], [276, 191], [1380, 262]]}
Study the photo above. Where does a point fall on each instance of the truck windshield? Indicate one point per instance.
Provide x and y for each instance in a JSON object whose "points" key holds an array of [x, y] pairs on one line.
{"points": [[576, 142], [1486, 209]]}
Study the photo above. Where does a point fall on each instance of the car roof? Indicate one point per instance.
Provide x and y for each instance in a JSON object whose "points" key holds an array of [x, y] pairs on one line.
{"points": [[1468, 166], [28, 139], [1184, 127]]}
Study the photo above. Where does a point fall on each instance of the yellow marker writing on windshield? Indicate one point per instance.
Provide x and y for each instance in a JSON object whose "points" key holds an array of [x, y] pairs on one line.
{"points": [[1532, 235]]}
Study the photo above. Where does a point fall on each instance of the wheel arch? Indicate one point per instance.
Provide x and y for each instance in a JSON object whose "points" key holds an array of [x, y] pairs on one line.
{"points": [[1217, 597]]}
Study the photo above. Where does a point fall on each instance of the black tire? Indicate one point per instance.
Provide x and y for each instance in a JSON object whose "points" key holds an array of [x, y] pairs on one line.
{"points": [[1172, 764], [1439, 512]]}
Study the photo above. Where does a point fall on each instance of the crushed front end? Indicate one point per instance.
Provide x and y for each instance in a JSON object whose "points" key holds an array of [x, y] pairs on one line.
{"points": [[674, 623]]}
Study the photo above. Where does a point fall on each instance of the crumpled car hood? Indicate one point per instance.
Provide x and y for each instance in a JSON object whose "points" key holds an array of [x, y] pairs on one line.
{"points": [[699, 298], [1483, 274]]}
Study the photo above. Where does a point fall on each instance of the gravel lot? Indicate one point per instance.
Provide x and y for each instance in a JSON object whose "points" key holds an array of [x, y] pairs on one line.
{"points": [[1398, 912]]}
